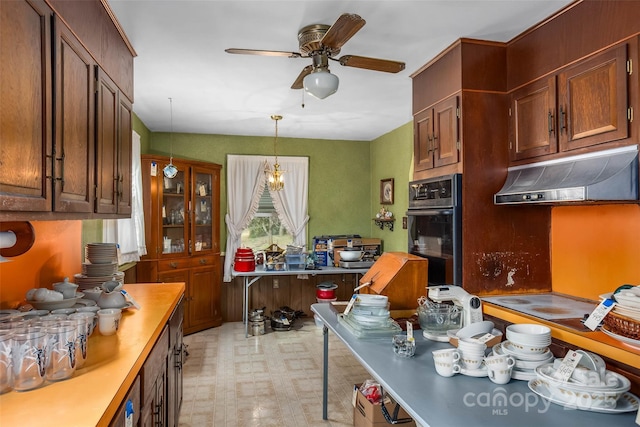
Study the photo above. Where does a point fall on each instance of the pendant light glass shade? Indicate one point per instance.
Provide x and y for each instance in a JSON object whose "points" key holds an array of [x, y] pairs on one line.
{"points": [[320, 83], [275, 176]]}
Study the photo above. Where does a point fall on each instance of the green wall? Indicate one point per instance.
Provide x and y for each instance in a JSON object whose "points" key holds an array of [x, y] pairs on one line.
{"points": [[344, 176]]}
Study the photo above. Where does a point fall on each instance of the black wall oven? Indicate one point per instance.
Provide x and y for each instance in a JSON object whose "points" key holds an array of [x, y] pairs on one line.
{"points": [[434, 222]]}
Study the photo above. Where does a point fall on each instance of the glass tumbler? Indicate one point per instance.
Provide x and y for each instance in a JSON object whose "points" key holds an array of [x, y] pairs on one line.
{"points": [[61, 350], [84, 323], [6, 374], [28, 357]]}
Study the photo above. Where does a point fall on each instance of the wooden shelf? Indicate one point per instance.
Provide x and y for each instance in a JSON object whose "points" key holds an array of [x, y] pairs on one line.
{"points": [[384, 222]]}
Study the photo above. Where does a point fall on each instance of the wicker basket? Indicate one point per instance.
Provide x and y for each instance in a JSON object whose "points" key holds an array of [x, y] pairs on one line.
{"points": [[622, 325]]}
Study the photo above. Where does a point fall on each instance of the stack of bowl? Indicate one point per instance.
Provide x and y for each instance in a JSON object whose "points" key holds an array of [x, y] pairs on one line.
{"points": [[590, 386], [471, 357], [529, 346], [371, 311]]}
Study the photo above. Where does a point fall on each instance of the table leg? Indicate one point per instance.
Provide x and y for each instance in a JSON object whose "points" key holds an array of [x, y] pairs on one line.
{"points": [[325, 375]]}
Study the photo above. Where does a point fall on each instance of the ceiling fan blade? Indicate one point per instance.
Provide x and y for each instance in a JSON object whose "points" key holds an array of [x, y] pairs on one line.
{"points": [[305, 72], [342, 30], [263, 52], [375, 64]]}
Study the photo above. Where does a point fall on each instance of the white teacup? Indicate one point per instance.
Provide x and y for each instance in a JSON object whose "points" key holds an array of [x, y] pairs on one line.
{"points": [[447, 361], [109, 320], [472, 361], [501, 361], [499, 375]]}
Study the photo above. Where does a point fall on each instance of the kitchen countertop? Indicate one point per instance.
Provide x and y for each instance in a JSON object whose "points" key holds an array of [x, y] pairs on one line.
{"points": [[93, 395], [595, 341]]}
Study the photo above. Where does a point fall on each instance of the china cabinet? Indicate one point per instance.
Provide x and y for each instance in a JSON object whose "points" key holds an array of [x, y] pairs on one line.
{"points": [[182, 230]]}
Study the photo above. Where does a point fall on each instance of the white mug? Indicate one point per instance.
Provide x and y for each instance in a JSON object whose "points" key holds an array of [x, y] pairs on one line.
{"points": [[499, 375], [109, 320], [499, 361], [446, 361]]}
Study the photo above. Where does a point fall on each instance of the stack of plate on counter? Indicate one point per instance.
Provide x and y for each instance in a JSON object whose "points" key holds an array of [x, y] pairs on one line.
{"points": [[101, 265], [623, 321], [528, 344], [589, 386], [369, 317]]}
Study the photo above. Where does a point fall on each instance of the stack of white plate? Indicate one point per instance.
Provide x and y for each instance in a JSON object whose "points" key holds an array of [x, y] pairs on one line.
{"points": [[101, 266], [101, 253], [371, 311], [528, 344]]}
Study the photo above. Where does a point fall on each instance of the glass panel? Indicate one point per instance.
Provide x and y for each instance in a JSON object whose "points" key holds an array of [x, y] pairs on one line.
{"points": [[174, 213], [202, 212]]}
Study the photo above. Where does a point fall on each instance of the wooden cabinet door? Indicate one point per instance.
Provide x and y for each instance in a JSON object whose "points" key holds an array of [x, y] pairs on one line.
{"points": [[124, 155], [106, 145], [423, 140], [200, 308], [25, 116], [533, 122], [593, 100], [446, 139], [74, 123]]}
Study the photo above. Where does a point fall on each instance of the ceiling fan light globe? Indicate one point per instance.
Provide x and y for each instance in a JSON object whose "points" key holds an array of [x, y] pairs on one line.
{"points": [[321, 84]]}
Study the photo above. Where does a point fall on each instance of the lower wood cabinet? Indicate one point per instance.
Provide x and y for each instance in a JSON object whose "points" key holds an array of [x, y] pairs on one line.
{"points": [[154, 380], [130, 407]]}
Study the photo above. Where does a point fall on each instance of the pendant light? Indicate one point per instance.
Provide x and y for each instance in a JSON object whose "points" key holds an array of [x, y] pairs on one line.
{"points": [[170, 171], [275, 176], [320, 83]]}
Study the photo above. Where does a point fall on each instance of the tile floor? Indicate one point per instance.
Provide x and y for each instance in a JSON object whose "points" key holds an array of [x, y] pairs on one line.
{"points": [[268, 380]]}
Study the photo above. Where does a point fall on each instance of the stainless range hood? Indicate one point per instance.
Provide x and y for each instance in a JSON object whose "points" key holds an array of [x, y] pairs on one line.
{"points": [[609, 175]]}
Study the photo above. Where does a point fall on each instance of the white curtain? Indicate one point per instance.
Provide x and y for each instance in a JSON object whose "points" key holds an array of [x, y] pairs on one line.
{"points": [[291, 203], [245, 184], [128, 233]]}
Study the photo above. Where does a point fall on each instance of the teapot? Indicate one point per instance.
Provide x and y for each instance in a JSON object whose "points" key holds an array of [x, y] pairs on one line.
{"points": [[111, 297]]}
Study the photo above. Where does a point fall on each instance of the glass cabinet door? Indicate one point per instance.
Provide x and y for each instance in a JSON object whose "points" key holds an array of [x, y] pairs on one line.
{"points": [[202, 206], [175, 213]]}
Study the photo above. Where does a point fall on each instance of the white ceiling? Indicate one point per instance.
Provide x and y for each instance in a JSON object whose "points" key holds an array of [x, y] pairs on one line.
{"points": [[180, 46]]}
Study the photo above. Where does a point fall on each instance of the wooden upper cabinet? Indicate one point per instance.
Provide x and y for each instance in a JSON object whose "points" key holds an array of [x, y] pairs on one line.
{"points": [[592, 97], [533, 129], [106, 145], [124, 155], [25, 106], [436, 135], [446, 140], [74, 123]]}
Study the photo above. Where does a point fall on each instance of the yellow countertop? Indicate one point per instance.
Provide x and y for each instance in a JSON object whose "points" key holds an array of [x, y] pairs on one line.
{"points": [[597, 342], [93, 395]]}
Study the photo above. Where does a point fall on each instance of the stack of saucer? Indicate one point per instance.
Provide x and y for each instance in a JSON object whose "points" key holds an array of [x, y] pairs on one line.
{"points": [[101, 266], [529, 346]]}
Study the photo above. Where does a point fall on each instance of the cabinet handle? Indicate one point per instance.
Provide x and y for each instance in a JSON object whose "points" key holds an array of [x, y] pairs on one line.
{"points": [[157, 413], [174, 265], [61, 179], [550, 123], [203, 261], [563, 116], [178, 354]]}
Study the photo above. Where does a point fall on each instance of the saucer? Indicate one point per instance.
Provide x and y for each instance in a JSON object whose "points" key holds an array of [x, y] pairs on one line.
{"points": [[478, 373]]}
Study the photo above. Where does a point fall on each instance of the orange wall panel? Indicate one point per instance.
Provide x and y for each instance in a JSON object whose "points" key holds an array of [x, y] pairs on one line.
{"points": [[55, 254], [594, 249]]}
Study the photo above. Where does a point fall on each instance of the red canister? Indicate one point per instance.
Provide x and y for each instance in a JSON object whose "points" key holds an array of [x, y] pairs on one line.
{"points": [[244, 260]]}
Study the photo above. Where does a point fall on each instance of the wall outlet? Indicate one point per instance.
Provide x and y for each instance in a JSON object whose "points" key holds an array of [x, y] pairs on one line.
{"points": [[276, 284]]}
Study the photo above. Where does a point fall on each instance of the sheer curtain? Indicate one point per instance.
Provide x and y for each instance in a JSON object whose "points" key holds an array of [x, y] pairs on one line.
{"points": [[245, 184], [128, 233]]}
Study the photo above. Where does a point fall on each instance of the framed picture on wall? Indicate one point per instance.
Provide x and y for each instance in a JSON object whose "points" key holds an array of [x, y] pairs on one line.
{"points": [[386, 191]]}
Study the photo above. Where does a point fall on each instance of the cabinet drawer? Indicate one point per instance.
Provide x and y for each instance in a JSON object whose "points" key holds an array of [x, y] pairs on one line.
{"points": [[174, 264], [119, 420], [155, 364], [202, 261]]}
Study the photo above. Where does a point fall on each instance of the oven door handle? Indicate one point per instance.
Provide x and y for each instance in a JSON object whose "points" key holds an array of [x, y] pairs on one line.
{"points": [[430, 212]]}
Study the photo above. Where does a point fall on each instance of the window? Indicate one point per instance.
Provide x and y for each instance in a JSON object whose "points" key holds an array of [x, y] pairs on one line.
{"points": [[265, 228]]}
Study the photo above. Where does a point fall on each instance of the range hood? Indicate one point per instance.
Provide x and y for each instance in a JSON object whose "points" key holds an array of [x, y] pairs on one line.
{"points": [[609, 175]]}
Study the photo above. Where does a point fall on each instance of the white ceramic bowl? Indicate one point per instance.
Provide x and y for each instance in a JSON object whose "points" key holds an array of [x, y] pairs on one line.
{"points": [[529, 334], [350, 255], [372, 300], [475, 329]]}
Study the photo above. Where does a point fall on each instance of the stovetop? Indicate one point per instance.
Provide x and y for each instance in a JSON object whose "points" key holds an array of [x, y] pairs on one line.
{"points": [[547, 306]]}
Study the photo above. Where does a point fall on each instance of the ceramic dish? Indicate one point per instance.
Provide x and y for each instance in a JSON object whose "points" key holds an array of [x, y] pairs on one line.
{"points": [[478, 373], [508, 348], [54, 305], [624, 340], [626, 403], [523, 375]]}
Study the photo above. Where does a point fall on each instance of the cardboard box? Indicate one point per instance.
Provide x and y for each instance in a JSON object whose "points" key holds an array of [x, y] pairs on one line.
{"points": [[366, 414]]}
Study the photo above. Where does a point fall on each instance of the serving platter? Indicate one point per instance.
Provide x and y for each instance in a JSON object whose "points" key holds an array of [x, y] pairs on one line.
{"points": [[629, 341], [628, 402]]}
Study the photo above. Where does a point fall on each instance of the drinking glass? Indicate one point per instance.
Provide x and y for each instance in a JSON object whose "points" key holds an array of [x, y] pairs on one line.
{"points": [[61, 350], [6, 375], [28, 357]]}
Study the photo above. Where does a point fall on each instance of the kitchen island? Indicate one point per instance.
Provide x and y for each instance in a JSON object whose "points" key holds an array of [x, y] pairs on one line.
{"points": [[433, 400], [94, 394]]}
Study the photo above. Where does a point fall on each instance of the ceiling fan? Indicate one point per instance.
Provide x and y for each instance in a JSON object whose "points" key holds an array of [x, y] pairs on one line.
{"points": [[322, 43]]}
